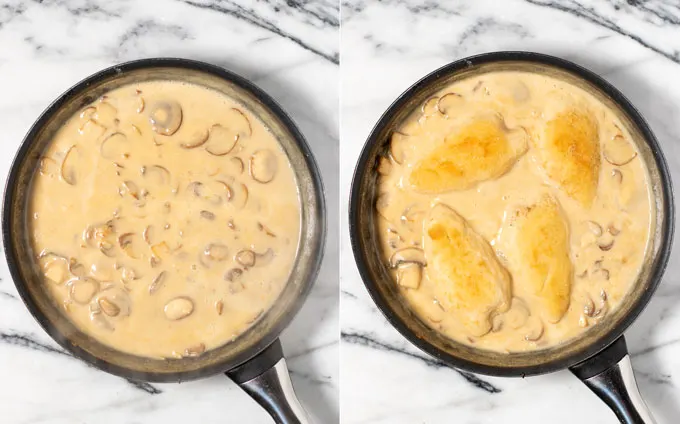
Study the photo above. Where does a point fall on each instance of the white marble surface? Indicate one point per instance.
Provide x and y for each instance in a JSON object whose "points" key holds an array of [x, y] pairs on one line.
{"points": [[290, 49], [388, 45]]}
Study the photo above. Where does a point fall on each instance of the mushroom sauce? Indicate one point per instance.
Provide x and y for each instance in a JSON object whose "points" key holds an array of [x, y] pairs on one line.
{"points": [[165, 218], [513, 211]]}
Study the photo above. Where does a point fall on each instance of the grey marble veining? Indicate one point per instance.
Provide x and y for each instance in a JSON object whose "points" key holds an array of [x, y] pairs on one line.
{"points": [[388, 45], [290, 49]]}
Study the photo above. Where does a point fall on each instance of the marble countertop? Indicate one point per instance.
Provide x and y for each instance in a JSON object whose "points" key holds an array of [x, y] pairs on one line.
{"points": [[290, 49], [388, 45]]}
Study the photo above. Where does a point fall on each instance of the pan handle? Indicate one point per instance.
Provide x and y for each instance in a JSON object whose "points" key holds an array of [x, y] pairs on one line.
{"points": [[265, 378], [610, 375]]}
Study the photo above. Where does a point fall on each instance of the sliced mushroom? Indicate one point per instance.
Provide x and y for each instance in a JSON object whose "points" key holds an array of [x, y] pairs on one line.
{"points": [[618, 151], [147, 234], [91, 130], [617, 176], [157, 173], [245, 258], [114, 146], [611, 229], [237, 165], [408, 255], [157, 282], [449, 102], [70, 164], [140, 104], [196, 188], [128, 274], [165, 117], [197, 140], [81, 290], [397, 152], [240, 195], [131, 188], [76, 268], [56, 269], [216, 252], [594, 228], [430, 106], [106, 114], [265, 229], [178, 308], [606, 246], [409, 275], [221, 140], [108, 307], [129, 244], [229, 192], [207, 215], [263, 166]]}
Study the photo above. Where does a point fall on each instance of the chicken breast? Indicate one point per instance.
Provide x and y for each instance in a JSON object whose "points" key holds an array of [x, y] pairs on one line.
{"points": [[483, 149], [540, 255], [469, 280], [569, 153]]}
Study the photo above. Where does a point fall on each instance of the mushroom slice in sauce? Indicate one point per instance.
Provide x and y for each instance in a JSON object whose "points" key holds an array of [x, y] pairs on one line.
{"points": [[178, 308], [81, 290], [240, 195], [397, 152], [157, 282], [448, 103], [263, 166], [157, 173], [165, 117], [197, 140], [106, 114], [618, 151], [408, 255], [245, 258], [236, 165], [113, 302], [221, 140], [114, 146], [430, 106], [130, 244], [233, 274], [409, 275], [216, 252], [69, 166], [56, 269]]}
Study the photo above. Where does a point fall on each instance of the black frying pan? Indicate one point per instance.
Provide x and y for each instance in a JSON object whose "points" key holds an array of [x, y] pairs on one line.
{"points": [[599, 357], [255, 359]]}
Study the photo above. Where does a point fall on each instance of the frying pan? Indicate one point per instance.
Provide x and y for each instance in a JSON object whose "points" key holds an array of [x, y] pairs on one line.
{"points": [[599, 357], [254, 360]]}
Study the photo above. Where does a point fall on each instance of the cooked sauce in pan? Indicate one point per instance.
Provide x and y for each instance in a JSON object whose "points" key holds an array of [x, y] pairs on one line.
{"points": [[165, 218], [514, 211]]}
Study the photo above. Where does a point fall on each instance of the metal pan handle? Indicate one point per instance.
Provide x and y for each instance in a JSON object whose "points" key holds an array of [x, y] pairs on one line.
{"points": [[265, 378], [610, 375]]}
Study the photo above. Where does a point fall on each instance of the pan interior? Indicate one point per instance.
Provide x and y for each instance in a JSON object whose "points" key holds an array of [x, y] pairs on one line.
{"points": [[384, 291], [24, 267]]}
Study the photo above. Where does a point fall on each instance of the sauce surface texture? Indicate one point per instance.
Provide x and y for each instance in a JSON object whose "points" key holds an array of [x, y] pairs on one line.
{"points": [[165, 218], [513, 211]]}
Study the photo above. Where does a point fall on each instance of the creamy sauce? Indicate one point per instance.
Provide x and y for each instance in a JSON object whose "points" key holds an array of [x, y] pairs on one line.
{"points": [[165, 218], [544, 211]]}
